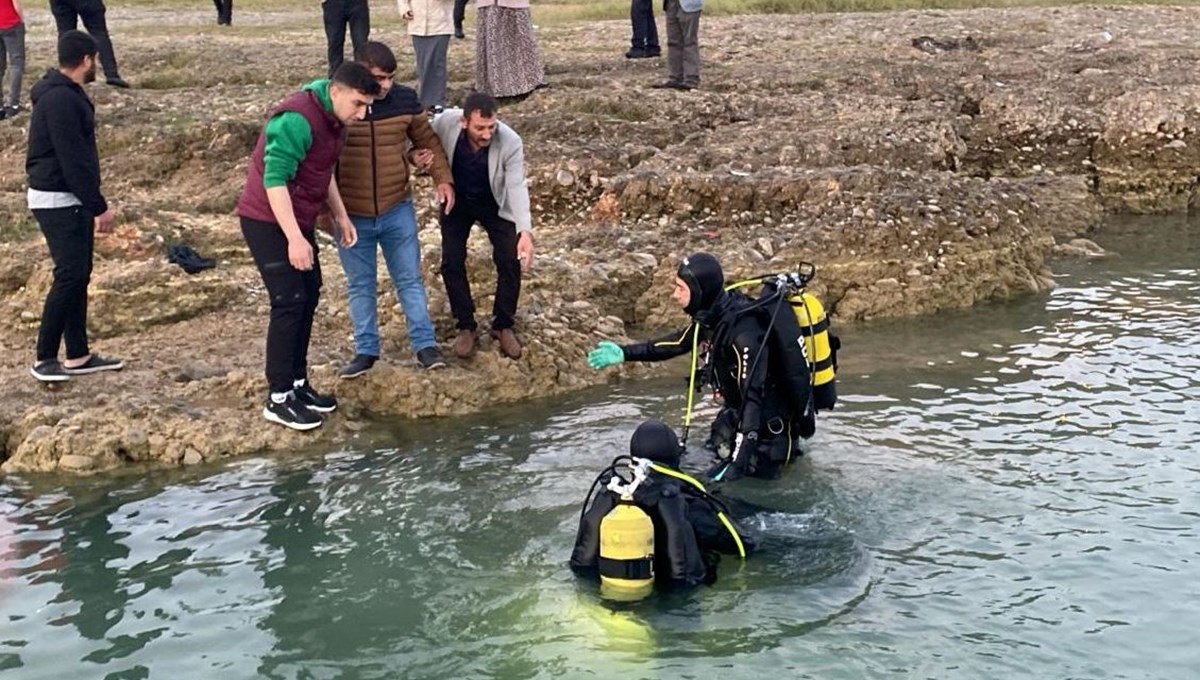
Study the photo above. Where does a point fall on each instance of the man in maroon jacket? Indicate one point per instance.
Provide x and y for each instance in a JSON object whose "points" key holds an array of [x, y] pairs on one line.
{"points": [[289, 179]]}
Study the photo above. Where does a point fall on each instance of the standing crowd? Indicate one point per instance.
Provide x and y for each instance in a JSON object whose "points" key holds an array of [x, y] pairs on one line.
{"points": [[337, 155]]}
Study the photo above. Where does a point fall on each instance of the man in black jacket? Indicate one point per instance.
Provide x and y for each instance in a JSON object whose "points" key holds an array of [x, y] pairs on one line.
{"points": [[64, 195], [733, 337]]}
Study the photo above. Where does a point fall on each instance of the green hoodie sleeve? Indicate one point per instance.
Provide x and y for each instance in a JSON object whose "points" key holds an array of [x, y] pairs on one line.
{"points": [[289, 138]]}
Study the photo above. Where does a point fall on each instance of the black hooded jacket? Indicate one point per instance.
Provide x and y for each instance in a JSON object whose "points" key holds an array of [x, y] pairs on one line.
{"points": [[62, 152]]}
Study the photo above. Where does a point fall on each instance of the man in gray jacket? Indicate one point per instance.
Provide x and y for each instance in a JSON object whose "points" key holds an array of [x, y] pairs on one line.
{"points": [[487, 160]]}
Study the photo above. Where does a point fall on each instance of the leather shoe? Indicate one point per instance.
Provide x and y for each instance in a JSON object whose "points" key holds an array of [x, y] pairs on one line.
{"points": [[508, 343], [464, 344]]}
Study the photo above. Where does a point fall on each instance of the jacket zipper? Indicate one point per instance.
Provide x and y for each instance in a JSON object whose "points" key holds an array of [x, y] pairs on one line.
{"points": [[374, 172]]}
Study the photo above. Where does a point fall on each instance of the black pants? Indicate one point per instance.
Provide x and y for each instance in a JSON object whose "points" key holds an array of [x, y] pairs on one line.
{"points": [[645, 31], [456, 228], [224, 12], [69, 235], [294, 295], [337, 14], [460, 13], [67, 14]]}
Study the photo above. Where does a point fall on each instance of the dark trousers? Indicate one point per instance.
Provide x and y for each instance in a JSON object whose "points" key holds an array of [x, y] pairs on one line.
{"points": [[460, 13], [294, 295], [645, 31], [67, 14], [224, 12], [456, 228], [338, 14], [70, 236]]}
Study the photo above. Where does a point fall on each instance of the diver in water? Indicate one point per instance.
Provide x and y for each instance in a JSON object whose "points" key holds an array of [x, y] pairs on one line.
{"points": [[758, 424], [659, 526]]}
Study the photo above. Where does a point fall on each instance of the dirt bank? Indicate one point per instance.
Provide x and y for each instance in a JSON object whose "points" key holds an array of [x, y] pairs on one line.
{"points": [[918, 174]]}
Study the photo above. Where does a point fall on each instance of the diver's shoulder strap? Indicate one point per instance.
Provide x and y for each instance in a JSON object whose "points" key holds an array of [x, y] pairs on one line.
{"points": [[694, 486]]}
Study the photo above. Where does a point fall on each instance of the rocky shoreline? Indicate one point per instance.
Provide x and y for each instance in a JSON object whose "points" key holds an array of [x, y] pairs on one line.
{"points": [[919, 170]]}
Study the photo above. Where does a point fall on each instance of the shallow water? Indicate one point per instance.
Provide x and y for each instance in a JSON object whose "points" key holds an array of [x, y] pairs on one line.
{"points": [[1008, 492]]}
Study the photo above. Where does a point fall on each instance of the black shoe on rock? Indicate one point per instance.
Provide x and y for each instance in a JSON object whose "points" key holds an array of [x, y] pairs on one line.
{"points": [[291, 413], [314, 400], [361, 363], [668, 85], [430, 358], [95, 364], [49, 371]]}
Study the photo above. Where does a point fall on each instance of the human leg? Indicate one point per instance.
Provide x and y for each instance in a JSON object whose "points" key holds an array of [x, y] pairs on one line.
{"points": [[358, 15], [689, 25], [311, 280], [456, 228], [286, 288], [65, 16], [92, 14], [335, 33], [503, 235], [433, 92], [402, 254], [359, 264], [674, 43], [460, 15], [69, 237], [15, 46]]}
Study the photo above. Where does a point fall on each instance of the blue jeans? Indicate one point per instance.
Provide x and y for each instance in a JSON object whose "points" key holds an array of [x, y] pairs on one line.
{"points": [[395, 232]]}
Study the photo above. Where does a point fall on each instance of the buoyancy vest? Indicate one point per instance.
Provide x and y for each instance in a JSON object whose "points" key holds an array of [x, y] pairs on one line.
{"points": [[689, 529]]}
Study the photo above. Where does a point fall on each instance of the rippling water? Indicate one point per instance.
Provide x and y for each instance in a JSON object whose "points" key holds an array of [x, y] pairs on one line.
{"points": [[1008, 492]]}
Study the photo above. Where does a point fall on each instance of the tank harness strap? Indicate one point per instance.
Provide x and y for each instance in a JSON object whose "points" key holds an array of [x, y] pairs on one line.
{"points": [[823, 364], [737, 539], [634, 570], [687, 415], [818, 327]]}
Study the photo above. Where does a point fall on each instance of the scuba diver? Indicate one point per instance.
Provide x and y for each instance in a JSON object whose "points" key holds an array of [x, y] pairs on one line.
{"points": [[658, 526], [754, 359]]}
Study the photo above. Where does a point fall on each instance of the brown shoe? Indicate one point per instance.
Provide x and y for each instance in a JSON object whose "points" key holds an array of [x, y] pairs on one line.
{"points": [[508, 343], [464, 344]]}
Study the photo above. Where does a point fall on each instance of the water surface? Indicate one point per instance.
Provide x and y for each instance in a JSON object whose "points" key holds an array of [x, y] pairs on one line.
{"points": [[1009, 492]]}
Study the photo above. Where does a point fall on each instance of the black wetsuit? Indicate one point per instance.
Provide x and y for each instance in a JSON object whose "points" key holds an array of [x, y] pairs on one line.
{"points": [[738, 365], [688, 533]]}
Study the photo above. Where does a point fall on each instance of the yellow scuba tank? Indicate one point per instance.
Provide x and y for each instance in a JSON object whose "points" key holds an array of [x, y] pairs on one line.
{"points": [[820, 349], [627, 541], [626, 553]]}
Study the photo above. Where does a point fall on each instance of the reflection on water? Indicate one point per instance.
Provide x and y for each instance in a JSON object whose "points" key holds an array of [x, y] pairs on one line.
{"points": [[1006, 492]]}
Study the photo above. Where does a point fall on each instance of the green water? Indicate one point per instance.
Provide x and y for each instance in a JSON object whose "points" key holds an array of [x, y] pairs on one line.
{"points": [[1009, 492]]}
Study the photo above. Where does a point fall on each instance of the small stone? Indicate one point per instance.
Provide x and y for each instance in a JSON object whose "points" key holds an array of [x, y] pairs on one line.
{"points": [[76, 463], [565, 178], [192, 457]]}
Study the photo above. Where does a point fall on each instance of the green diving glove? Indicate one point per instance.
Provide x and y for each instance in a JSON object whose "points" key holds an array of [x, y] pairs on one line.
{"points": [[607, 353]]}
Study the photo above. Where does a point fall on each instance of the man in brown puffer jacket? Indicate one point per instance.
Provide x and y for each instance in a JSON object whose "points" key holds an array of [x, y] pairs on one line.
{"points": [[373, 178]]}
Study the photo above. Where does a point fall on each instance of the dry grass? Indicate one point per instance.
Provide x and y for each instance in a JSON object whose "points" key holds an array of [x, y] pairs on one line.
{"points": [[563, 11]]}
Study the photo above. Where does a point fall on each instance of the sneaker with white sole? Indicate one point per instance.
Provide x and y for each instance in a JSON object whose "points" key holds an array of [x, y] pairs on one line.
{"points": [[49, 371], [95, 364], [314, 400], [361, 363], [291, 413], [430, 358]]}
